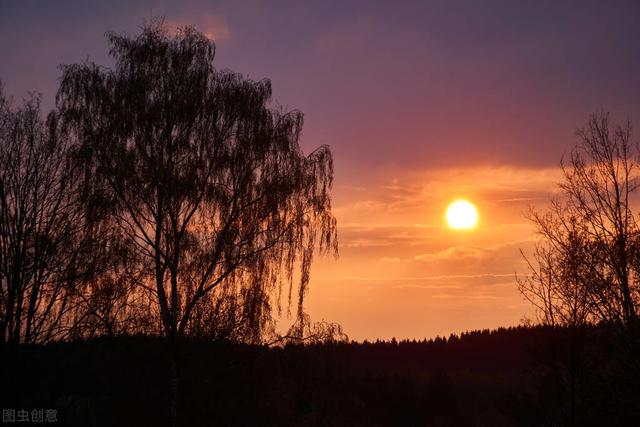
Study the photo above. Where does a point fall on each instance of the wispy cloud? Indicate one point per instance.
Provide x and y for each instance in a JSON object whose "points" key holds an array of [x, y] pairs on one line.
{"points": [[471, 297], [455, 253], [418, 278], [389, 259]]}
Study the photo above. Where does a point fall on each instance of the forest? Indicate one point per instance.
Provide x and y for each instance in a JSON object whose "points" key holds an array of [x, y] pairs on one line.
{"points": [[521, 376]]}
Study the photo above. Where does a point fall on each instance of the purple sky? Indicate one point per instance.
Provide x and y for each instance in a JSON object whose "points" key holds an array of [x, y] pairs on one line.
{"points": [[415, 84], [420, 101]]}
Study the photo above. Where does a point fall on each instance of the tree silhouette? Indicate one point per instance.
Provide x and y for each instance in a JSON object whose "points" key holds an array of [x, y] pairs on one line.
{"points": [[42, 227], [206, 184], [587, 266]]}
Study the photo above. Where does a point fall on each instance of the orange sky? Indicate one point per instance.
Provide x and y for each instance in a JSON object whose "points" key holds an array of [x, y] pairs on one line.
{"points": [[402, 272]]}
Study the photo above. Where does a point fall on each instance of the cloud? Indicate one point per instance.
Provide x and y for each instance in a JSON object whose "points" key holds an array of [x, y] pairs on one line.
{"points": [[358, 236], [481, 278], [454, 253], [471, 297], [388, 259]]}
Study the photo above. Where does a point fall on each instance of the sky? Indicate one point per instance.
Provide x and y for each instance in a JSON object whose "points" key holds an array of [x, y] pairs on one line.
{"points": [[422, 102]]}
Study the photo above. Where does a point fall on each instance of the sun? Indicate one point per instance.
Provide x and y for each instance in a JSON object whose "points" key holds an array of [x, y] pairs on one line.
{"points": [[462, 215]]}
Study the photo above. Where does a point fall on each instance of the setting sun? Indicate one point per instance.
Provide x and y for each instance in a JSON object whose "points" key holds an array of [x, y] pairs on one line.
{"points": [[462, 215]]}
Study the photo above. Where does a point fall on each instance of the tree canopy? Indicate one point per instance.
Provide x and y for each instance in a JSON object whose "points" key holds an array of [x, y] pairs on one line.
{"points": [[205, 183]]}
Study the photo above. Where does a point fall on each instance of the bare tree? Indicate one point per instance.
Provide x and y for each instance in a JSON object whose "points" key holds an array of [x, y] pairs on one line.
{"points": [[586, 268], [41, 226], [560, 271]]}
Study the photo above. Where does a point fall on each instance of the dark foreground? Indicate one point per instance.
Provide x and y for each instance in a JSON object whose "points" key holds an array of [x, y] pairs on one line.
{"points": [[509, 377]]}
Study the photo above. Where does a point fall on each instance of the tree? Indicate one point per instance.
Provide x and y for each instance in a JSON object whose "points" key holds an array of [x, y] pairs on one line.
{"points": [[206, 185], [587, 268], [41, 227]]}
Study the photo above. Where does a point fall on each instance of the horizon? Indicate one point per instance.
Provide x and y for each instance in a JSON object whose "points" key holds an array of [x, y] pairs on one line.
{"points": [[422, 104]]}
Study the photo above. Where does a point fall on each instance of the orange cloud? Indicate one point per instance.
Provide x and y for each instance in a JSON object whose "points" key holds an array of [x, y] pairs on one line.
{"points": [[455, 253], [389, 259]]}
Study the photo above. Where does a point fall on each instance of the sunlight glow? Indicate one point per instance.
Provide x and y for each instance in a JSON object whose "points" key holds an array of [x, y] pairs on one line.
{"points": [[462, 215]]}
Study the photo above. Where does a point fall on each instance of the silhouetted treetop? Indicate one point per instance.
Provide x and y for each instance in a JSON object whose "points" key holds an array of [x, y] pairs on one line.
{"points": [[202, 179], [586, 268], [42, 228]]}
